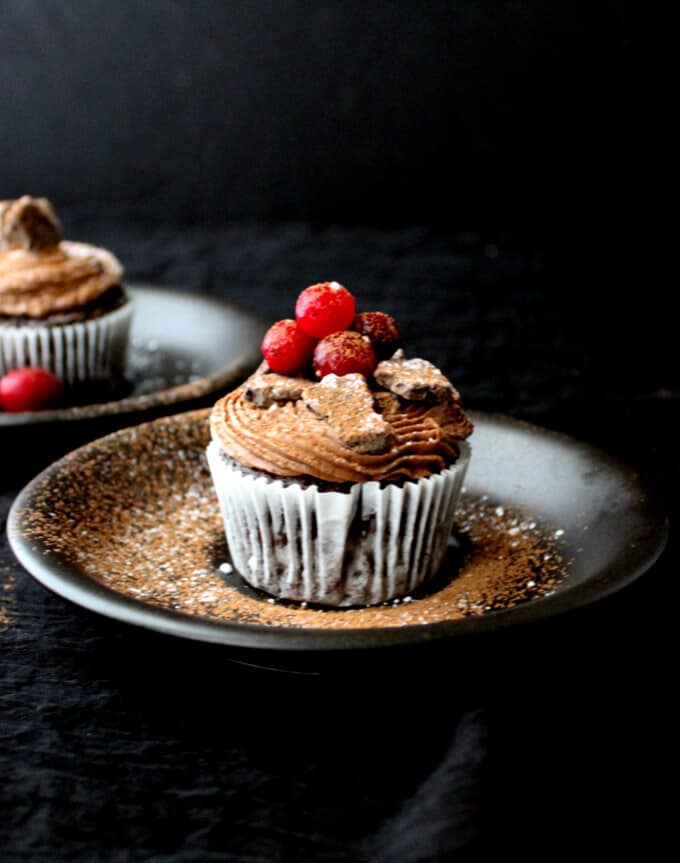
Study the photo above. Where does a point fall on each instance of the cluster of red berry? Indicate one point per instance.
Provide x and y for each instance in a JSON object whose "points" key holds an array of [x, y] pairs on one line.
{"points": [[28, 389], [328, 335]]}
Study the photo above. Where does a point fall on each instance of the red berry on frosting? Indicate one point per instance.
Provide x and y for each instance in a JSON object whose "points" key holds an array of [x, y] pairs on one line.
{"points": [[325, 308], [382, 330], [287, 348], [29, 389], [342, 353]]}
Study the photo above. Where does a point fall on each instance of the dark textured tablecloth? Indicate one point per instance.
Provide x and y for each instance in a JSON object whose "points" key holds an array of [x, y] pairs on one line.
{"points": [[122, 745]]}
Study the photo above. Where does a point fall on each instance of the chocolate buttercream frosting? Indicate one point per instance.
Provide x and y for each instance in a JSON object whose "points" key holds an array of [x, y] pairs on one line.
{"points": [[42, 274], [319, 436]]}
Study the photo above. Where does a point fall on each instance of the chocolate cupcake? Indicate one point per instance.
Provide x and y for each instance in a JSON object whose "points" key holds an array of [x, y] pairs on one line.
{"points": [[341, 490], [62, 304]]}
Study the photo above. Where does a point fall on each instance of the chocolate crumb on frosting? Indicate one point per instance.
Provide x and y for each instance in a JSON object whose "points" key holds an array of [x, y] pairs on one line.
{"points": [[267, 388], [415, 379], [346, 404], [28, 223]]}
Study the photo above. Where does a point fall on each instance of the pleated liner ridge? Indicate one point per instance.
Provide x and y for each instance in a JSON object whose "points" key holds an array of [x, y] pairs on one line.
{"points": [[86, 351], [360, 547]]}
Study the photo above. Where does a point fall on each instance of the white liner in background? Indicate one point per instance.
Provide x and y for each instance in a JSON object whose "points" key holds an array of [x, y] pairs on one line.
{"points": [[76, 353], [307, 545]]}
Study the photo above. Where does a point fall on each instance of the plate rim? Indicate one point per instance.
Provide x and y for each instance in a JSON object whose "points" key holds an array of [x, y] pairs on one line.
{"points": [[75, 586], [169, 397]]}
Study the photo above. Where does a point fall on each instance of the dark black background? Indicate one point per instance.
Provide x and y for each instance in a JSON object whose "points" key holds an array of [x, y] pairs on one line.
{"points": [[412, 112], [487, 173]]}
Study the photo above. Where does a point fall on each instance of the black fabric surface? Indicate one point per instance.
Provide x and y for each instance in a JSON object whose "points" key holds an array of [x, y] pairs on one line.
{"points": [[122, 745]]}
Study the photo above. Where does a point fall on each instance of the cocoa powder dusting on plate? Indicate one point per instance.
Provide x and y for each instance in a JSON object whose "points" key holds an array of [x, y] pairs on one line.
{"points": [[137, 512], [7, 598]]}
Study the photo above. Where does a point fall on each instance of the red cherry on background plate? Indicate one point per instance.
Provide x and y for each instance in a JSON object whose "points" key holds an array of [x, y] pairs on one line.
{"points": [[29, 389]]}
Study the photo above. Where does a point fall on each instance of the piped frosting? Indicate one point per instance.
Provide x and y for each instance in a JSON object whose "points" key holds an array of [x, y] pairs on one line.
{"points": [[40, 273]]}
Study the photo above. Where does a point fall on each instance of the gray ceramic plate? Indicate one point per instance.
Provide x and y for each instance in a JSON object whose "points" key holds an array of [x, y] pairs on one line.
{"points": [[155, 527], [182, 347], [185, 350]]}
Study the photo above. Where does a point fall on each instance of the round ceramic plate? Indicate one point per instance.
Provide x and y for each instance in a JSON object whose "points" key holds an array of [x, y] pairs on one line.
{"points": [[185, 350], [128, 526], [183, 347]]}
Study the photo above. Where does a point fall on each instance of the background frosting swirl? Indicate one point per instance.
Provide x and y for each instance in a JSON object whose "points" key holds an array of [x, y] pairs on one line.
{"points": [[54, 279]]}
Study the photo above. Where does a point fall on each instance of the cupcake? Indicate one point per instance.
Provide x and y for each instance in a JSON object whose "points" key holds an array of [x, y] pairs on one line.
{"points": [[339, 463], [62, 304]]}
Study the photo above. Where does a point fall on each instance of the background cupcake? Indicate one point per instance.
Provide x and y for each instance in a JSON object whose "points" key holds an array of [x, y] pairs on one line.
{"points": [[62, 304], [339, 486]]}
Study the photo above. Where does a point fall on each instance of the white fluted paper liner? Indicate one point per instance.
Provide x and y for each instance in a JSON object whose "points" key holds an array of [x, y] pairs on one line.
{"points": [[76, 353], [360, 547]]}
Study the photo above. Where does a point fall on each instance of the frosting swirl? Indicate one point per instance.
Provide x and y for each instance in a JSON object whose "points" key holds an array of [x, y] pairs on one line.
{"points": [[286, 439], [40, 273]]}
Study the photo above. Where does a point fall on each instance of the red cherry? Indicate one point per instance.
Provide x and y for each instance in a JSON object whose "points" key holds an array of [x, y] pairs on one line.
{"points": [[343, 353], [325, 308], [29, 389], [286, 347], [382, 330]]}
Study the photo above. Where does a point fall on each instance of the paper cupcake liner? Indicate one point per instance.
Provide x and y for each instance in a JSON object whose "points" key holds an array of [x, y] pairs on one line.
{"points": [[76, 353], [360, 547]]}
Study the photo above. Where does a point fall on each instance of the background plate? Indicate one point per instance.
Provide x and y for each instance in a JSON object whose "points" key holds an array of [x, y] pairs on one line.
{"points": [[185, 349], [121, 488]]}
